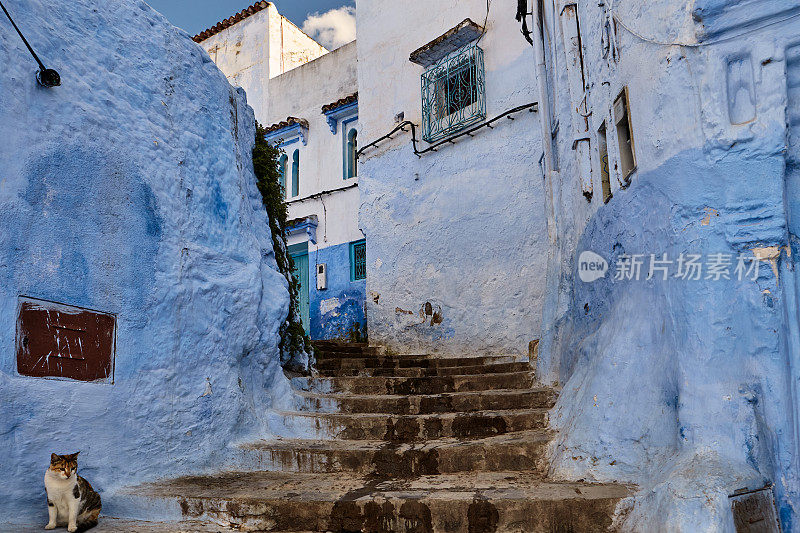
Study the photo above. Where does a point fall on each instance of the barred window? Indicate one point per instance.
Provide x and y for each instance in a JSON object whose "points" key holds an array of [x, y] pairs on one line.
{"points": [[358, 260], [453, 93]]}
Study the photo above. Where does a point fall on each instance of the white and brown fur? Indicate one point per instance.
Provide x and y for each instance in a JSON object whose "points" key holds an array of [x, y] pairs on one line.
{"points": [[71, 500]]}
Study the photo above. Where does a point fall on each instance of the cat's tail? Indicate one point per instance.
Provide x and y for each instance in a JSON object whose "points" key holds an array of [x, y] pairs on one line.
{"points": [[86, 525], [88, 520]]}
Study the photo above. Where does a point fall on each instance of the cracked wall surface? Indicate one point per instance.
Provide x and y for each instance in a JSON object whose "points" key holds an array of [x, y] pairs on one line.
{"points": [[462, 229]]}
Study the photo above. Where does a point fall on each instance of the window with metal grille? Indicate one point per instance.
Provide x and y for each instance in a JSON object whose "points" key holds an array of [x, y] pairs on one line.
{"points": [[358, 260], [453, 93]]}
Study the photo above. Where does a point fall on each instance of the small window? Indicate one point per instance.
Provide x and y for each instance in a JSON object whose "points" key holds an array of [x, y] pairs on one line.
{"points": [[622, 117], [453, 93], [351, 161], [605, 176], [295, 173], [358, 260], [282, 169]]}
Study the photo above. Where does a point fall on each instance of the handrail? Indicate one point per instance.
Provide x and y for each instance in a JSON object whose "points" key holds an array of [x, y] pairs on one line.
{"points": [[531, 107]]}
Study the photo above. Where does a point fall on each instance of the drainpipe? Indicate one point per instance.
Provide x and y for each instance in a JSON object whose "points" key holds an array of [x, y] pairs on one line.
{"points": [[548, 368], [544, 115]]}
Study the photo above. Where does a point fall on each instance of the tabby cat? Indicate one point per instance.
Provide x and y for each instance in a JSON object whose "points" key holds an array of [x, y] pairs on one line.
{"points": [[71, 501]]}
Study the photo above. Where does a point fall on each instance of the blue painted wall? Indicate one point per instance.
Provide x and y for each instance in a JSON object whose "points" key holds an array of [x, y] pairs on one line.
{"points": [[686, 388], [348, 316], [129, 189]]}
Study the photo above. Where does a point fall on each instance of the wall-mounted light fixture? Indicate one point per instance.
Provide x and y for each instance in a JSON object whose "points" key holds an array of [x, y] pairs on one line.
{"points": [[46, 77]]}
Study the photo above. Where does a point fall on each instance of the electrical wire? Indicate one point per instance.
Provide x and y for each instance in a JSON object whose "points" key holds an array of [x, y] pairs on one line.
{"points": [[24, 40], [46, 77], [699, 44], [485, 21]]}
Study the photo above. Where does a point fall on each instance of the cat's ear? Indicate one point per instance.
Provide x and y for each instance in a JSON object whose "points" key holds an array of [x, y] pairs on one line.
{"points": [[53, 458], [73, 456]]}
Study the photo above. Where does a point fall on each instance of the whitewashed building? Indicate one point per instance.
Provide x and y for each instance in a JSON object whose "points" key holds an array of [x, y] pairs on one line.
{"points": [[307, 98], [257, 44], [313, 117]]}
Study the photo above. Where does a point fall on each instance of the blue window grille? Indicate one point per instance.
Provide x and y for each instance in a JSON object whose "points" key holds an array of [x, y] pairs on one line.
{"points": [[358, 260], [453, 93], [295, 173]]}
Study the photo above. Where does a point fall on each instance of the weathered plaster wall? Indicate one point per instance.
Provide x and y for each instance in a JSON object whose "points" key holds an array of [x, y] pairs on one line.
{"points": [[338, 311], [462, 228], [289, 46], [683, 387], [301, 93], [260, 47], [129, 189]]}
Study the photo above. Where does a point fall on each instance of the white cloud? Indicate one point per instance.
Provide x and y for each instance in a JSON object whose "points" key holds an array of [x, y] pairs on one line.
{"points": [[333, 28]]}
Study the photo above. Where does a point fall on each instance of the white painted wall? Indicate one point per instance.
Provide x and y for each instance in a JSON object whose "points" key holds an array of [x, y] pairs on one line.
{"points": [[264, 45], [463, 228], [301, 93]]}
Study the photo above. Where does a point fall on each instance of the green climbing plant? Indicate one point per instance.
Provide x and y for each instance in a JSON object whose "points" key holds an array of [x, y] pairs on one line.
{"points": [[294, 341]]}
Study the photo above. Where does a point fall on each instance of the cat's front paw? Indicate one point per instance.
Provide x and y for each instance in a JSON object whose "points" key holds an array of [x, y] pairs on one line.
{"points": [[50, 525], [72, 529]]}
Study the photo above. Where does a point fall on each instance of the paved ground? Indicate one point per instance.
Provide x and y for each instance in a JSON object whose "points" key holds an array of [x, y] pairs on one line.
{"points": [[112, 525]]}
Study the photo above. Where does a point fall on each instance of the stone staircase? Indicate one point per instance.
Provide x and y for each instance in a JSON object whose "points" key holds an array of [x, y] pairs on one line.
{"points": [[399, 444]]}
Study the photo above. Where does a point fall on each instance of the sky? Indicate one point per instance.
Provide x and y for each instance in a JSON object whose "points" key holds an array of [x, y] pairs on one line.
{"points": [[331, 22]]}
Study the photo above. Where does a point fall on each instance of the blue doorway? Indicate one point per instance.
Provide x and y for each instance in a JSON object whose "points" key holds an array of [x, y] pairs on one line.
{"points": [[299, 255]]}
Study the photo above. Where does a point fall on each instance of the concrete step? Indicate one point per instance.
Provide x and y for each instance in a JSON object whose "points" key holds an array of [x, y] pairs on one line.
{"points": [[519, 451], [415, 385], [474, 503], [409, 361], [118, 525], [339, 345], [457, 402], [418, 372], [413, 428]]}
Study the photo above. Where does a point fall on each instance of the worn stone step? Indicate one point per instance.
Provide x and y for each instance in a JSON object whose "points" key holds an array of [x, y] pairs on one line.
{"points": [[473, 503], [519, 451], [457, 402], [495, 368], [412, 428], [414, 385], [119, 525], [410, 361], [334, 344]]}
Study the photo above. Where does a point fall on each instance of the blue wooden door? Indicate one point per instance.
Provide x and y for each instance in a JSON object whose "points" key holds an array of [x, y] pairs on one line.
{"points": [[300, 274]]}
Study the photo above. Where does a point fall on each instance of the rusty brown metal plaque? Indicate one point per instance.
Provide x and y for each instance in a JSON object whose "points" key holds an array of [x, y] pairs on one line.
{"points": [[754, 511], [61, 341]]}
